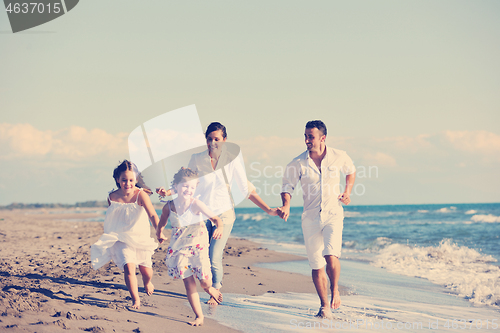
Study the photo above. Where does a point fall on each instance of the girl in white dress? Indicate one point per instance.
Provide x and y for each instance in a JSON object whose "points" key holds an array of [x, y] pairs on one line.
{"points": [[187, 255], [127, 233]]}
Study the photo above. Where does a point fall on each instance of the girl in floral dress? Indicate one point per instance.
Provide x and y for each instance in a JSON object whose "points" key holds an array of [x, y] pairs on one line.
{"points": [[187, 254]]}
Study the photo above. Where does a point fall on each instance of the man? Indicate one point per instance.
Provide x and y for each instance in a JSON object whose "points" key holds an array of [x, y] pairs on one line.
{"points": [[318, 170]]}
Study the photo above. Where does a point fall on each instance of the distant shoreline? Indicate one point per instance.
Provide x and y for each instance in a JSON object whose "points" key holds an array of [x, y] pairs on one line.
{"points": [[104, 204], [86, 204]]}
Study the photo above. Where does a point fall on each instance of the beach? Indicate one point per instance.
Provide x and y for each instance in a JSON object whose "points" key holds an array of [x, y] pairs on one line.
{"points": [[408, 268], [48, 284]]}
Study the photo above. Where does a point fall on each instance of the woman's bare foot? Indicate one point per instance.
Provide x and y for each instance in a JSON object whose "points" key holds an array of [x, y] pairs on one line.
{"points": [[216, 296], [197, 322], [335, 303], [149, 288]]}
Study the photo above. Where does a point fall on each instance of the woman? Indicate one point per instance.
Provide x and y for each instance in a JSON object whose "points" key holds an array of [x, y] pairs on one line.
{"points": [[218, 167]]}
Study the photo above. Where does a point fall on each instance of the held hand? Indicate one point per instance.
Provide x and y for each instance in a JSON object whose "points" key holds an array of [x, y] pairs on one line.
{"points": [[162, 192], [218, 232], [284, 212], [273, 211], [345, 198], [161, 237]]}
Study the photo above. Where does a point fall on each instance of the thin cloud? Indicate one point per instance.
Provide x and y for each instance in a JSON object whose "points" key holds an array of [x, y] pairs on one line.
{"points": [[474, 141], [74, 143], [380, 159]]}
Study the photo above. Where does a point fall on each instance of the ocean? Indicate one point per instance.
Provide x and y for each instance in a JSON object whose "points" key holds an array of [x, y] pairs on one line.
{"points": [[408, 267]]}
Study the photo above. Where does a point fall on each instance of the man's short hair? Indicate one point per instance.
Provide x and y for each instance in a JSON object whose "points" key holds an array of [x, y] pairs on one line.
{"points": [[317, 124]]}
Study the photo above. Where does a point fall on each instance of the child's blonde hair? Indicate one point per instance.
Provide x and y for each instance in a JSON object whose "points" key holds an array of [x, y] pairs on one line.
{"points": [[184, 174]]}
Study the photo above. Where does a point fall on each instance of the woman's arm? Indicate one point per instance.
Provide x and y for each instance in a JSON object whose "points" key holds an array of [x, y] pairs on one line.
{"points": [[256, 199]]}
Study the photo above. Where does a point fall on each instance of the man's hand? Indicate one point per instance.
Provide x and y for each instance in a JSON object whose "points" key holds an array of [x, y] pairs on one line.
{"points": [[345, 198], [284, 212]]}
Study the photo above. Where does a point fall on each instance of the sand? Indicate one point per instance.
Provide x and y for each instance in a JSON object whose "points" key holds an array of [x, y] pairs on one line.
{"points": [[48, 285]]}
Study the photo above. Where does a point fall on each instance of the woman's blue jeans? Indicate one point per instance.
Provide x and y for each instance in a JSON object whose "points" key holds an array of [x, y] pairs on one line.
{"points": [[217, 246]]}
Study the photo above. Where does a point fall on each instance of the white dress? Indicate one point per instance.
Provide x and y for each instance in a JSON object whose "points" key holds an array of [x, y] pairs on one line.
{"points": [[187, 253], [127, 236]]}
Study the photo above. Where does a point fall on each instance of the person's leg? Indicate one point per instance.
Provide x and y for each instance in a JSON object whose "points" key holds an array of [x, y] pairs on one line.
{"points": [[210, 229], [214, 293], [194, 300], [216, 251], [131, 282], [321, 284], [333, 271], [313, 239], [147, 275], [332, 234]]}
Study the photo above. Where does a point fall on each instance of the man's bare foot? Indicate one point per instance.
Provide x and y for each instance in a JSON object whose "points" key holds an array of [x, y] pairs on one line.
{"points": [[150, 288], [324, 313], [216, 296], [335, 304], [197, 322]]}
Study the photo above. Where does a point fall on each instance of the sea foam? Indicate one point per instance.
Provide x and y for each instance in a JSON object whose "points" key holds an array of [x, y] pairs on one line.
{"points": [[447, 210], [253, 216], [490, 218], [465, 271]]}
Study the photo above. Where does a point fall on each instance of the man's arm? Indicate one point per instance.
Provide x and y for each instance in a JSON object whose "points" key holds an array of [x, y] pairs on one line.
{"points": [[349, 183], [290, 180], [284, 211]]}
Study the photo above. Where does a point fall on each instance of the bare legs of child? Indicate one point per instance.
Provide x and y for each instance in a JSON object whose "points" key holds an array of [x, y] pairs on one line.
{"points": [[131, 282], [194, 298]]}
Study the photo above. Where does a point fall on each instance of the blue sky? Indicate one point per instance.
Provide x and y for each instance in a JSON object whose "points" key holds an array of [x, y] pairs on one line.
{"points": [[409, 89]]}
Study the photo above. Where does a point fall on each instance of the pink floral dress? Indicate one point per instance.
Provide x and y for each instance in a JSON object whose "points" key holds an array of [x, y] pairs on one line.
{"points": [[187, 253]]}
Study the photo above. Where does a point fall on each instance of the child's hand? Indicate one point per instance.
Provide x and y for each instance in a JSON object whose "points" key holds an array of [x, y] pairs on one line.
{"points": [[162, 192], [218, 232], [161, 237], [273, 211]]}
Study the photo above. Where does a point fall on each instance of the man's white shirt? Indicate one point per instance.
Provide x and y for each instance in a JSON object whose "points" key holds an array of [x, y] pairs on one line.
{"points": [[320, 189]]}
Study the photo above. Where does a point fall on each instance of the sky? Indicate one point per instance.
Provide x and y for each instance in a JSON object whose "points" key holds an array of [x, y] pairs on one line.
{"points": [[410, 89]]}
